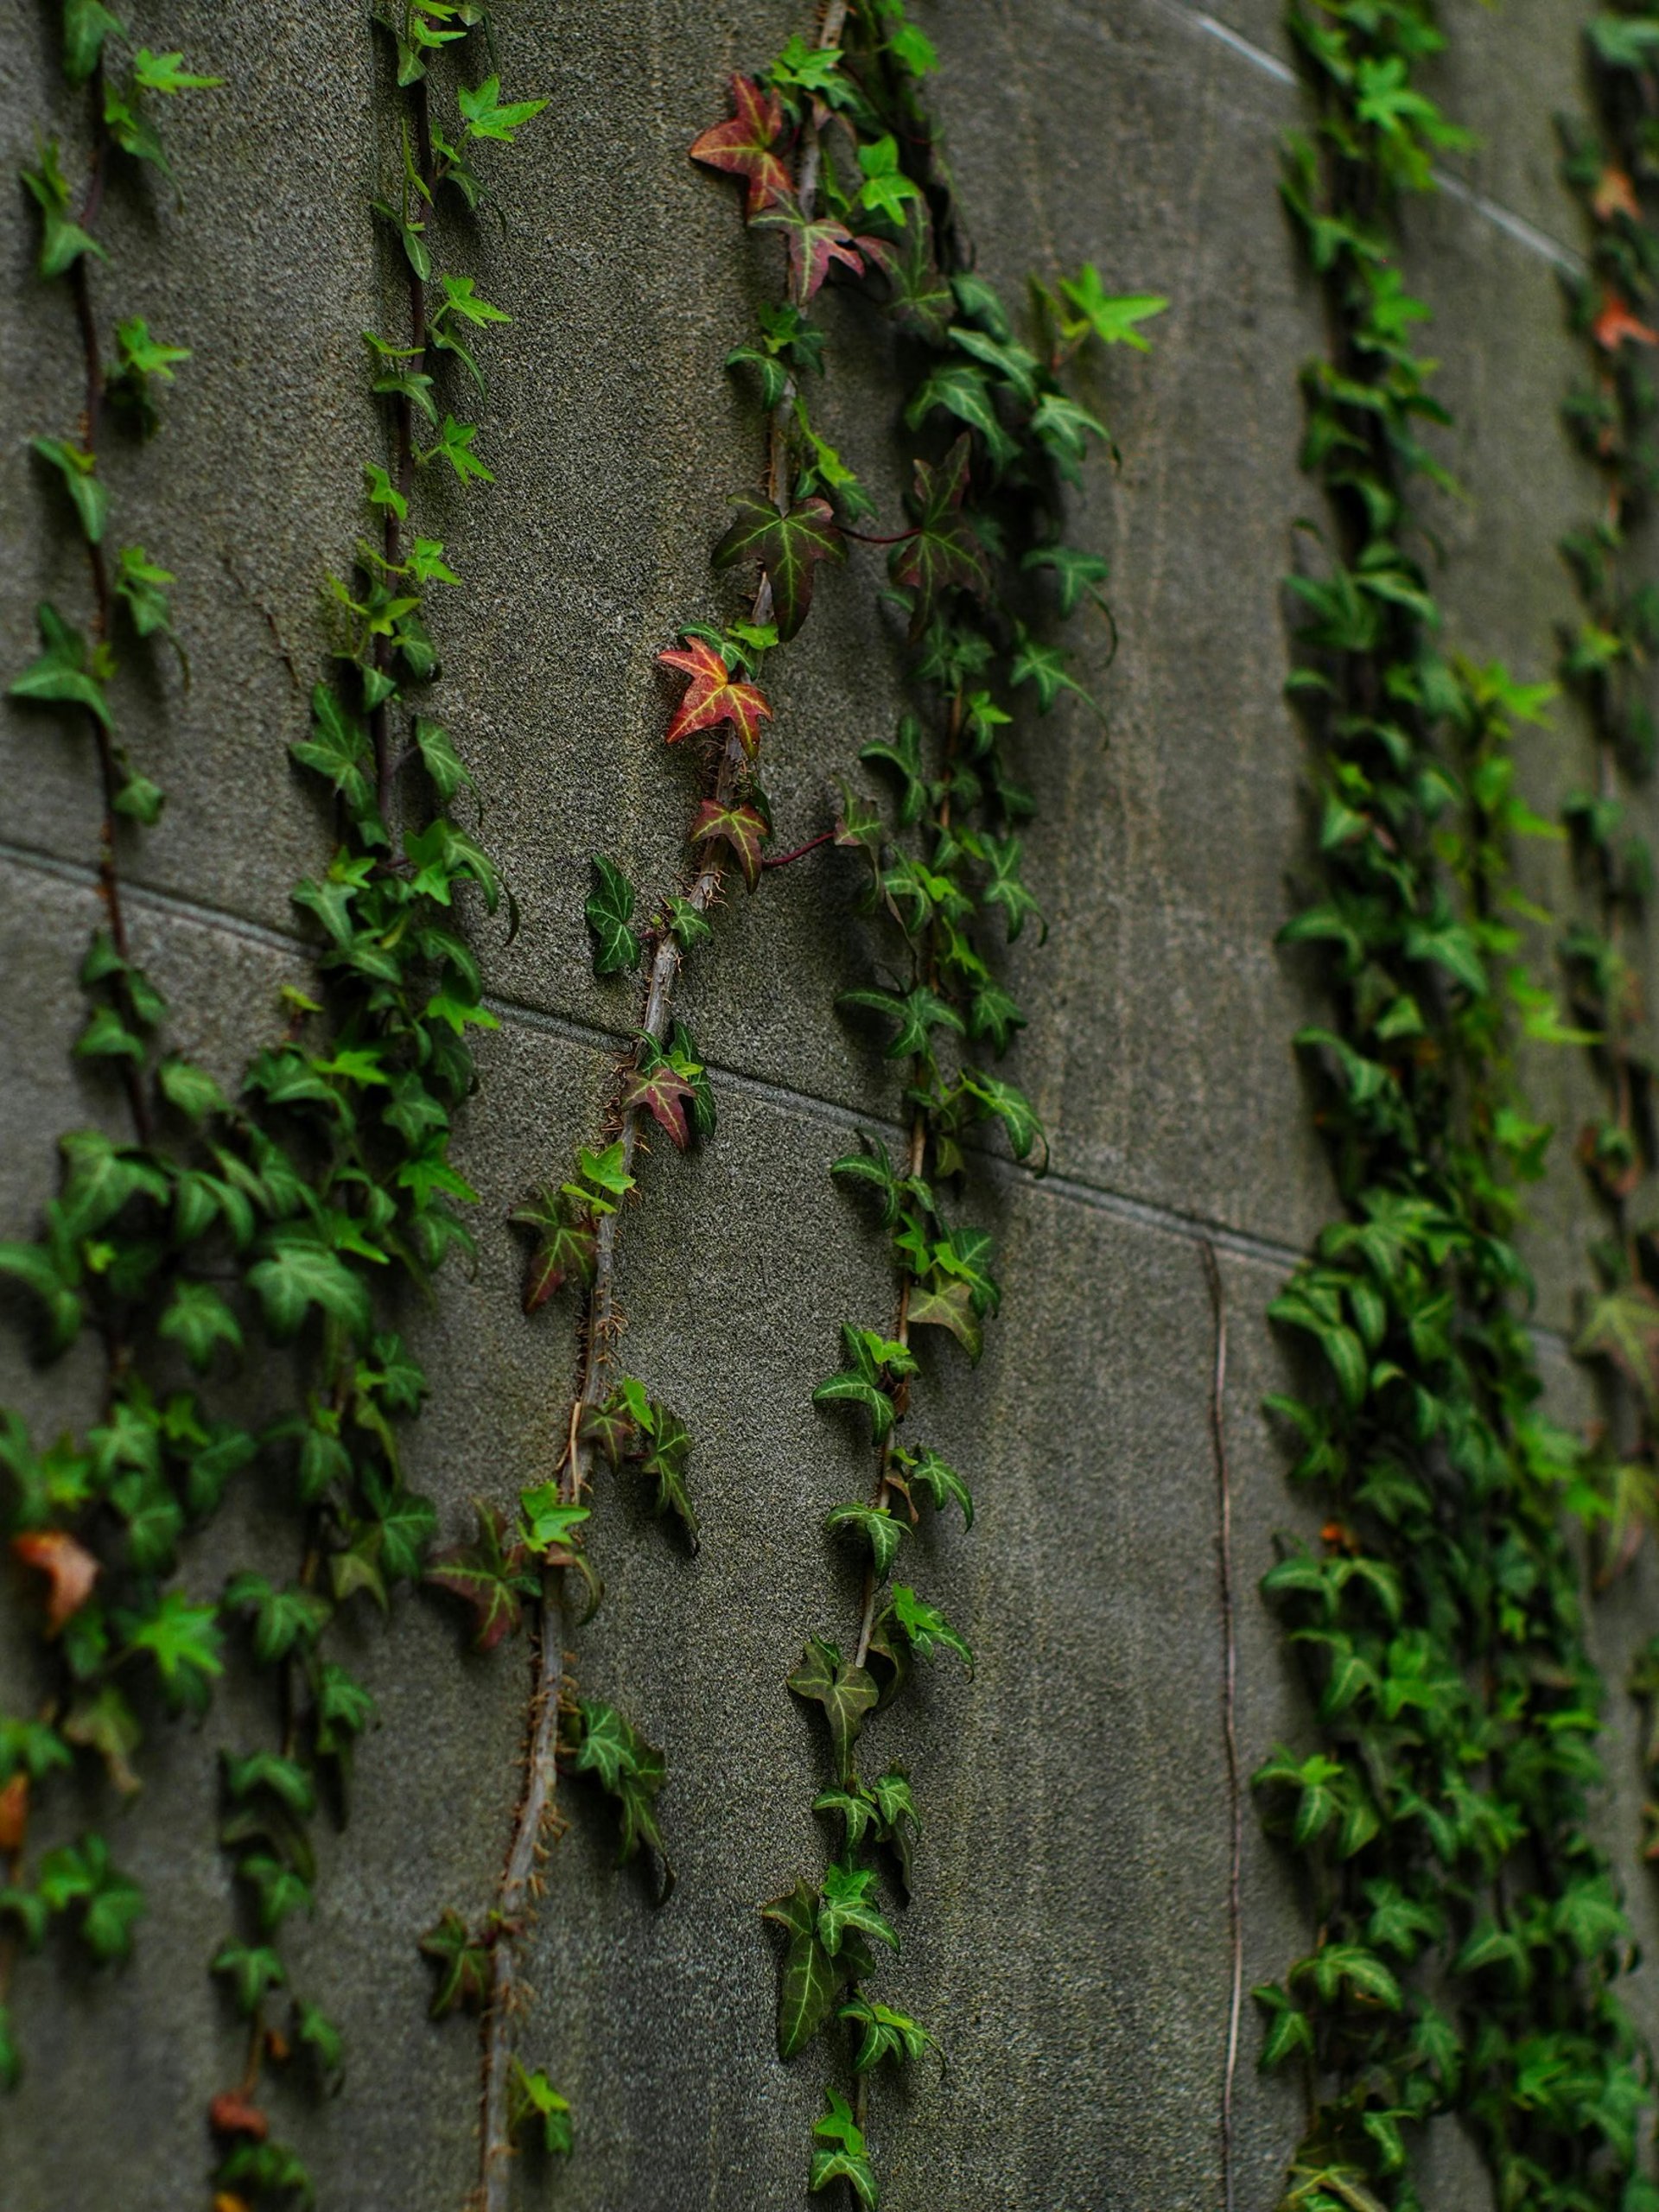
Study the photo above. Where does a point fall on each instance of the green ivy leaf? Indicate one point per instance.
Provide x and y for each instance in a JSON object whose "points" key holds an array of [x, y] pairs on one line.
{"points": [[62, 240], [945, 554], [878, 1528], [197, 1320], [788, 546], [844, 1904], [1113, 318], [298, 1273], [82, 1879], [885, 2034], [927, 1471], [184, 1642], [487, 115], [846, 1692], [64, 674], [609, 910], [536, 2108], [86, 24], [810, 1983], [86, 490], [846, 2161], [463, 1965], [923, 1627]]}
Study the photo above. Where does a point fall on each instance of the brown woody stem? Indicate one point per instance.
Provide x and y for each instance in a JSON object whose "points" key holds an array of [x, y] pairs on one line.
{"points": [[601, 1327]]}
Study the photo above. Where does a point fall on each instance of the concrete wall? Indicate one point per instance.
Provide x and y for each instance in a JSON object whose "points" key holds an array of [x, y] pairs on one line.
{"points": [[1069, 1937]]}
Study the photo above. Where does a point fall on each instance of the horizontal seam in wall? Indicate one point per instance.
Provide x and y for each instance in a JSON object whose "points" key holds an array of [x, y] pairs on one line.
{"points": [[167, 902], [1141, 1213], [1491, 211]]}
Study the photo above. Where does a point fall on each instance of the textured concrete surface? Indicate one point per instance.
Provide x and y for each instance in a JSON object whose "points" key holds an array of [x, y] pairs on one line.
{"points": [[1069, 1936]]}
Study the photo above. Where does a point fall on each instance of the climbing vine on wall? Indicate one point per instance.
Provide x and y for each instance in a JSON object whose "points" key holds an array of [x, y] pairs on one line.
{"points": [[838, 153], [298, 1211], [1468, 1935], [1612, 164]]}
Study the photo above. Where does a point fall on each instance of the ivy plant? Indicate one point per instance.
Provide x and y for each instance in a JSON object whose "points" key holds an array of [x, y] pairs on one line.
{"points": [[293, 1213], [836, 151], [1467, 1937]]}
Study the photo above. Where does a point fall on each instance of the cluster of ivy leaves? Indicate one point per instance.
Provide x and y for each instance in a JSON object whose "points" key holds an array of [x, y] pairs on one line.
{"points": [[974, 578], [1468, 1936], [1611, 163], [299, 1212]]}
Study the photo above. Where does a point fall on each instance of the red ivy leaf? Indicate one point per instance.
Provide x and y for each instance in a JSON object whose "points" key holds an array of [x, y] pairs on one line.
{"points": [[788, 546], [944, 554], [814, 242], [68, 1566], [739, 828], [1616, 323], [665, 1096], [13, 1815], [488, 1576], [713, 698], [1615, 195], [747, 146], [230, 2114]]}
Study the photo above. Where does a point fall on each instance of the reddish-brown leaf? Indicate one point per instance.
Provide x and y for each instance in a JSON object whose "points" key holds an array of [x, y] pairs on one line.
{"points": [[665, 1096], [230, 2114], [489, 1576], [788, 544], [713, 696], [747, 145], [13, 1815], [69, 1568], [1616, 323], [814, 242], [944, 553], [1615, 195], [568, 1249], [739, 827]]}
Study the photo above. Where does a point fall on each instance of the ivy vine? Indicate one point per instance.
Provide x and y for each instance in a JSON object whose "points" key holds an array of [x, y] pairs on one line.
{"points": [[295, 1213], [1468, 1936], [1612, 164], [837, 152]]}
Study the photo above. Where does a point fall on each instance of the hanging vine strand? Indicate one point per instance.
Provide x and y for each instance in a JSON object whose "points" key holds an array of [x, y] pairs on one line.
{"points": [[998, 436], [1468, 1937], [1612, 164], [659, 1082], [286, 1215]]}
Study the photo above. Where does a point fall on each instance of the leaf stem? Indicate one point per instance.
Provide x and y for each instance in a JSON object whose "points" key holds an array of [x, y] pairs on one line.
{"points": [[783, 859]]}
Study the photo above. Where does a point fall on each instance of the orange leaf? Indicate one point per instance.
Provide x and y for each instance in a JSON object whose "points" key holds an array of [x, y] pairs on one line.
{"points": [[230, 2114], [225, 2202], [14, 1814], [712, 696], [1615, 195], [69, 1566], [1616, 323]]}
